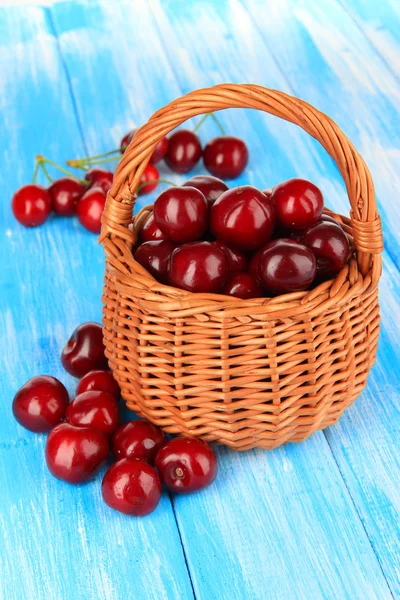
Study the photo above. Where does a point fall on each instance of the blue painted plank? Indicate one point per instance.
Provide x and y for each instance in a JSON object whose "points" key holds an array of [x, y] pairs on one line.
{"points": [[264, 505], [57, 541]]}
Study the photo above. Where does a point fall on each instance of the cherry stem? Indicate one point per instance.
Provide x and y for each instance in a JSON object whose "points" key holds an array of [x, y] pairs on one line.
{"points": [[35, 172], [83, 163], [45, 171], [211, 114], [42, 160], [151, 181]]}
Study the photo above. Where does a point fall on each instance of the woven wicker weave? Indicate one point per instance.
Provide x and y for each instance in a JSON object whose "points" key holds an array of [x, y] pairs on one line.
{"points": [[245, 373]]}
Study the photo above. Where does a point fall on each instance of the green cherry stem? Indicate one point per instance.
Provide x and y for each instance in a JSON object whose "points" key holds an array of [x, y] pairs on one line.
{"points": [[84, 163], [151, 181], [45, 171], [217, 121], [36, 171], [42, 160]]}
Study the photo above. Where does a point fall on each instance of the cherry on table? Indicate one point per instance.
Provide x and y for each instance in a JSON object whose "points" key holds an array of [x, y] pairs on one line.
{"points": [[31, 205], [84, 350], [237, 260], [330, 245], [210, 187], [242, 219], [181, 213], [184, 151], [99, 178], [287, 266], [158, 153], [155, 256], [40, 403], [186, 464], [150, 232], [298, 203], [95, 409], [75, 454], [242, 285], [198, 267], [65, 194], [149, 175], [99, 380], [90, 209], [226, 157], [138, 439]]}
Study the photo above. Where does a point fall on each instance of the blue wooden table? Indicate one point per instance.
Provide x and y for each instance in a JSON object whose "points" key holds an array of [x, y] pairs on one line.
{"points": [[316, 520]]}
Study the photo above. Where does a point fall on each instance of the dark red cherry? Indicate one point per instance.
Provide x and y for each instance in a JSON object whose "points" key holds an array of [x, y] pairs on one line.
{"points": [[325, 217], [150, 174], [287, 266], [330, 245], [31, 205], [155, 256], [158, 153], [198, 267], [40, 403], [99, 380], [132, 487], [84, 350], [75, 454], [186, 464], [150, 232], [226, 157], [95, 409], [126, 140], [181, 213], [268, 194], [254, 263], [184, 151], [242, 219], [138, 439], [242, 285], [101, 178], [237, 260], [90, 209], [65, 193], [298, 203], [210, 187]]}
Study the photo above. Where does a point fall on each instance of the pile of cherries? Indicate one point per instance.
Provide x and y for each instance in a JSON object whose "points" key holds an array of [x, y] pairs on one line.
{"points": [[243, 242], [79, 446]]}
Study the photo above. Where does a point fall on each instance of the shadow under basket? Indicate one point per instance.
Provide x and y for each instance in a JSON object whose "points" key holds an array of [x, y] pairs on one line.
{"points": [[244, 373]]}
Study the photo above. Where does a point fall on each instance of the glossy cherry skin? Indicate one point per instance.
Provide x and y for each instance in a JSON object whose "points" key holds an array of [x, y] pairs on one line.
{"points": [[226, 157], [186, 464], [90, 209], [101, 178], [184, 151], [138, 439], [210, 187], [75, 454], [150, 232], [237, 260], [330, 245], [65, 194], [242, 219], [150, 174], [95, 409], [84, 350], [287, 266], [298, 203], [31, 205], [132, 487], [242, 285], [253, 267], [158, 153], [155, 256], [182, 214], [198, 267], [40, 403], [99, 380]]}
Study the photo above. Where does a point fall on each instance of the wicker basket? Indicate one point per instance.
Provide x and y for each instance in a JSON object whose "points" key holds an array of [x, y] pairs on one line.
{"points": [[244, 373]]}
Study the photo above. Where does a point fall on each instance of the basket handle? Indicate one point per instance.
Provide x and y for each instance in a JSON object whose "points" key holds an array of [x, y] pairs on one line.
{"points": [[365, 221]]}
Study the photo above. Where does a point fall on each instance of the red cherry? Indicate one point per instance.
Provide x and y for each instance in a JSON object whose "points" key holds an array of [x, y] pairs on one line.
{"points": [[242, 285], [138, 439], [158, 153], [268, 194], [237, 260], [31, 205], [126, 140], [226, 157], [298, 203], [149, 174], [287, 266], [40, 403], [90, 209], [254, 263], [65, 193], [181, 213], [242, 219], [95, 409], [184, 151], [99, 380], [84, 350], [198, 267], [132, 487], [155, 256], [99, 178], [150, 232], [330, 245], [75, 454], [186, 464], [210, 187], [325, 217]]}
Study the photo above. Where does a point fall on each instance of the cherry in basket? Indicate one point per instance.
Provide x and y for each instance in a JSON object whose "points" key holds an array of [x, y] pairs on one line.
{"points": [[155, 257], [210, 187], [198, 267], [286, 266], [298, 203], [181, 213]]}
